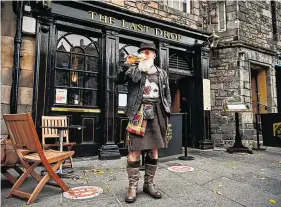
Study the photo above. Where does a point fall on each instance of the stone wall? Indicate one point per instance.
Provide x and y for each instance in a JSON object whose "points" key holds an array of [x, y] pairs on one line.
{"points": [[8, 29], [247, 40], [157, 9]]}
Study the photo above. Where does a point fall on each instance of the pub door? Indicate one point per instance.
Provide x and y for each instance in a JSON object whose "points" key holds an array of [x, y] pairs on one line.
{"points": [[71, 85], [181, 89]]}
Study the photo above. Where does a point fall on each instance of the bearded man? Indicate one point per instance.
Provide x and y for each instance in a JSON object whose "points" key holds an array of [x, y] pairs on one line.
{"points": [[149, 85]]}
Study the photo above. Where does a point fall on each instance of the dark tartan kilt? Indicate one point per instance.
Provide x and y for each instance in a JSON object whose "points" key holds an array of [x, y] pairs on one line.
{"points": [[155, 133]]}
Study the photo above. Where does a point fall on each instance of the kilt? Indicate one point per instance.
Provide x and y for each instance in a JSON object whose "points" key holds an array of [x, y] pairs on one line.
{"points": [[155, 134]]}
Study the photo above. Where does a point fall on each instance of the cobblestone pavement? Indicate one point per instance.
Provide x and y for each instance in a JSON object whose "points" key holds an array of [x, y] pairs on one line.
{"points": [[218, 179]]}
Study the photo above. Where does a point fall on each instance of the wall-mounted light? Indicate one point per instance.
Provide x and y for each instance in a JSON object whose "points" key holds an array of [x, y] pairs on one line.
{"points": [[45, 3], [213, 40]]}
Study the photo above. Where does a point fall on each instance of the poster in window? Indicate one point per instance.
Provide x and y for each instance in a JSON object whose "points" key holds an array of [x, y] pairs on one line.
{"points": [[206, 94], [61, 96], [122, 101]]}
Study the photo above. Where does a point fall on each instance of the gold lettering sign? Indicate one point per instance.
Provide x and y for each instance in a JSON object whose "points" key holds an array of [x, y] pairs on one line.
{"points": [[133, 26]]}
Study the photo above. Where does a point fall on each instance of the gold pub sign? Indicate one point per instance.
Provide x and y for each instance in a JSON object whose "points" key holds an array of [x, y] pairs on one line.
{"points": [[133, 26]]}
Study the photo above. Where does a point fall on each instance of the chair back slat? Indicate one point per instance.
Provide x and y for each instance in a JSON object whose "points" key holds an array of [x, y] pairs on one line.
{"points": [[22, 131], [48, 121]]}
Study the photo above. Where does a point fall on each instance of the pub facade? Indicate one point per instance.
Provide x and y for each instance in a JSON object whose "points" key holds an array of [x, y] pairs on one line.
{"points": [[60, 58], [78, 48]]}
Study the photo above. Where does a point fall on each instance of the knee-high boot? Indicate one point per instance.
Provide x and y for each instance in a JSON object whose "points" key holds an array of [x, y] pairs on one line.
{"points": [[133, 169], [150, 170]]}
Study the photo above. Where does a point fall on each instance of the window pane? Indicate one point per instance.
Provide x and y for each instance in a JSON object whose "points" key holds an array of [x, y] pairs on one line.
{"points": [[62, 78], [92, 50], [123, 88], [92, 64], [170, 3], [74, 97], [90, 98], [64, 45], [77, 62], [187, 6], [62, 60], [221, 15], [77, 79], [176, 4], [91, 81]]}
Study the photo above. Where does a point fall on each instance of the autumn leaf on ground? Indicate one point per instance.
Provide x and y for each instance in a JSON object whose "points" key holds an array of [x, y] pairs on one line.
{"points": [[272, 201]]}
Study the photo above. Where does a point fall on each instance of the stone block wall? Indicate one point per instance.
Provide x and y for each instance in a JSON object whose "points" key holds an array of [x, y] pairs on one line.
{"points": [[194, 19], [224, 77], [256, 28], [8, 30]]}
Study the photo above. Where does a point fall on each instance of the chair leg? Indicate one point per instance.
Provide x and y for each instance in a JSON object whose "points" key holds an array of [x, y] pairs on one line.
{"points": [[22, 178], [71, 161], [58, 180], [42, 183], [6, 173], [35, 175]]}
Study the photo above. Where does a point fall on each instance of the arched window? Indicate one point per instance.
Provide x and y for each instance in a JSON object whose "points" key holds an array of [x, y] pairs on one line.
{"points": [[76, 69]]}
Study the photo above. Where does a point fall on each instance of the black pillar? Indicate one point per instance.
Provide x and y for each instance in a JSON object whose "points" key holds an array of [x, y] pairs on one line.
{"points": [[197, 105], [163, 56], [41, 102], [206, 142], [110, 109], [18, 9]]}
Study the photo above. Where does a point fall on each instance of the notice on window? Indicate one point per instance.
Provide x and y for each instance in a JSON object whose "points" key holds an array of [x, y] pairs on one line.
{"points": [[207, 94], [122, 100], [61, 96]]}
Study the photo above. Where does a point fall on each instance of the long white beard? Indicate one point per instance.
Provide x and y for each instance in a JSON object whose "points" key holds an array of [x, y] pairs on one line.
{"points": [[145, 65]]}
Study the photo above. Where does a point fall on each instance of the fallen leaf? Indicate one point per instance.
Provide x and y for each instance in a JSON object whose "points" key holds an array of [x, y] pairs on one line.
{"points": [[214, 191], [272, 201], [263, 178], [260, 154], [219, 193], [220, 185], [198, 174]]}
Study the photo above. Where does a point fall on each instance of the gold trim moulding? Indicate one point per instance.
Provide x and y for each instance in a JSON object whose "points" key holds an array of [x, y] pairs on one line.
{"points": [[76, 110]]}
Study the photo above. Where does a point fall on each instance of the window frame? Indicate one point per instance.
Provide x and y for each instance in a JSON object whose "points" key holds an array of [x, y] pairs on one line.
{"points": [[82, 90], [170, 3], [224, 16]]}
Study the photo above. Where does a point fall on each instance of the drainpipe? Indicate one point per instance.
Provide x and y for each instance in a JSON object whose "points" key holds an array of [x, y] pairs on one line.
{"points": [[18, 9]]}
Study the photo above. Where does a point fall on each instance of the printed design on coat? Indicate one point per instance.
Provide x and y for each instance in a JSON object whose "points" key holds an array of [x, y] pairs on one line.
{"points": [[151, 90]]}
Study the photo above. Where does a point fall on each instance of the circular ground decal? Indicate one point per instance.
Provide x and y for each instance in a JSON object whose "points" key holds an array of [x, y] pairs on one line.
{"points": [[181, 169], [83, 192]]}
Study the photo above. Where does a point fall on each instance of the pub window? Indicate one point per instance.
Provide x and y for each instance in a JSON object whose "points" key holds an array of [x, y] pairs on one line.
{"points": [[124, 51], [274, 20], [181, 5], [76, 70], [221, 16]]}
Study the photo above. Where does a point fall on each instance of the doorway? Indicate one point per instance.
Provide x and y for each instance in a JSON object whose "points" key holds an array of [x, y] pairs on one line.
{"points": [[259, 90], [181, 89]]}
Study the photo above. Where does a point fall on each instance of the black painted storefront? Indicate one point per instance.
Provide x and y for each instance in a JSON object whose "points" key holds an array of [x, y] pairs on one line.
{"points": [[79, 47]]}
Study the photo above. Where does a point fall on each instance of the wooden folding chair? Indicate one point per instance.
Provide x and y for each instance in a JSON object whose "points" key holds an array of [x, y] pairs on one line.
{"points": [[27, 146], [49, 133]]}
